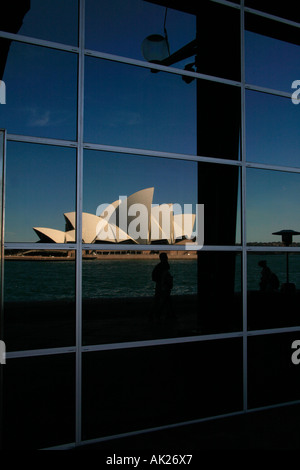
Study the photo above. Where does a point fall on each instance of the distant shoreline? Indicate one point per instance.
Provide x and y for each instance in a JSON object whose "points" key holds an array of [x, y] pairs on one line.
{"points": [[69, 255], [117, 257]]}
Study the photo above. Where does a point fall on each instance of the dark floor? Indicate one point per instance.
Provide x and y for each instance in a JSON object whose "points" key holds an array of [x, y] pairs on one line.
{"points": [[273, 429]]}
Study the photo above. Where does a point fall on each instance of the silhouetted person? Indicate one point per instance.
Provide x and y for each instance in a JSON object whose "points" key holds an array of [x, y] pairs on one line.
{"points": [[163, 286], [268, 281]]}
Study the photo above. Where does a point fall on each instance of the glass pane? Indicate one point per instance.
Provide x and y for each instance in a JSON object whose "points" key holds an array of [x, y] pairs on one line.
{"points": [[218, 136], [110, 178], [219, 292], [273, 290], [41, 92], [271, 54], [272, 205], [2, 155], [133, 107], [43, 19], [39, 402], [119, 27], [272, 129], [218, 35], [123, 299], [165, 385], [40, 189], [285, 9], [272, 376], [189, 37], [219, 191], [127, 296], [39, 299], [167, 216]]}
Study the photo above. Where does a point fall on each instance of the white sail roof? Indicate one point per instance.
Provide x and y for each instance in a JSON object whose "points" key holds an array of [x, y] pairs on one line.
{"points": [[132, 219]]}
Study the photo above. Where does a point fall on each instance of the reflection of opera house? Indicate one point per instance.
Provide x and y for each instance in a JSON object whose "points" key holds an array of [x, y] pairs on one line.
{"points": [[97, 98], [144, 223]]}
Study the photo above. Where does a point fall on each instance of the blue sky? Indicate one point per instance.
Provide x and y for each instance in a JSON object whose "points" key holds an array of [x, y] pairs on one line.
{"points": [[144, 110], [53, 20], [262, 55], [272, 204], [40, 187], [41, 92], [43, 187], [272, 129], [119, 27], [174, 181], [129, 106]]}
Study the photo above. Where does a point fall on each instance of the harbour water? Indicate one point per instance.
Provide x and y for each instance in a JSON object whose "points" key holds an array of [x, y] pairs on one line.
{"points": [[55, 280]]}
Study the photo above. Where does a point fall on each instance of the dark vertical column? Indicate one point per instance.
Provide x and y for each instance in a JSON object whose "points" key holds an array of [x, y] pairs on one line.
{"points": [[11, 19], [218, 135], [2, 179]]}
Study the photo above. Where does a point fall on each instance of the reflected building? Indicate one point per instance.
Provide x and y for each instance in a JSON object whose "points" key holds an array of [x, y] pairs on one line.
{"points": [[159, 223], [193, 99]]}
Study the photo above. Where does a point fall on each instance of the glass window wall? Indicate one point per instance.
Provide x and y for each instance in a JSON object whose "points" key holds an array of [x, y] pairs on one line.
{"points": [[109, 178], [94, 345], [138, 29], [142, 389], [218, 40], [273, 281], [219, 191], [39, 299], [272, 124], [284, 10], [39, 396], [272, 376], [266, 46], [41, 92], [132, 107], [219, 292], [40, 193], [272, 205], [217, 135], [126, 298], [52, 20], [134, 296]]}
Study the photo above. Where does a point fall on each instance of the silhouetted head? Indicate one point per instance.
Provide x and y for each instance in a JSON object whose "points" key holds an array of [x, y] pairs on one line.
{"points": [[163, 257], [262, 263]]}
